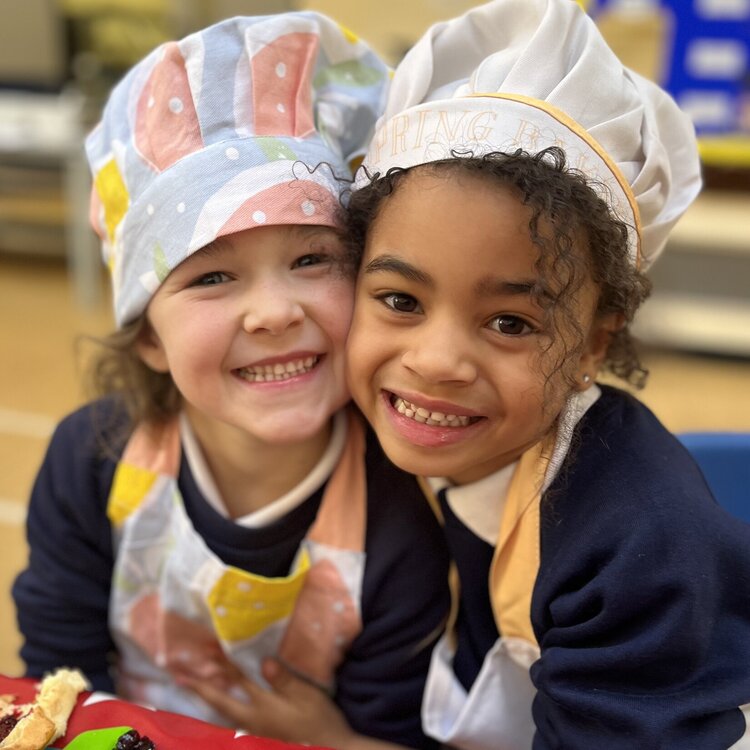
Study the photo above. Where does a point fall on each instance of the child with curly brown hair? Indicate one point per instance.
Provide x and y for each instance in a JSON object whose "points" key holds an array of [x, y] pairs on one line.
{"points": [[519, 185]]}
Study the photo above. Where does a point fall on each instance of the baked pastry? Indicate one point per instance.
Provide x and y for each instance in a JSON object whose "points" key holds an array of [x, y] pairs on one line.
{"points": [[33, 726]]}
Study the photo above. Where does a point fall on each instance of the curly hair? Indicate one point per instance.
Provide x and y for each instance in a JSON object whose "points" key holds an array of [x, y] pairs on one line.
{"points": [[115, 370], [565, 208]]}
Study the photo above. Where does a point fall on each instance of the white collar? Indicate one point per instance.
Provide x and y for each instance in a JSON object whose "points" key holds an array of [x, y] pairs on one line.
{"points": [[282, 505]]}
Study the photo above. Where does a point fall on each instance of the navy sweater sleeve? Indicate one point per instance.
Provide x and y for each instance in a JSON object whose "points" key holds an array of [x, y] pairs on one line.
{"points": [[62, 596], [641, 605], [405, 602]]}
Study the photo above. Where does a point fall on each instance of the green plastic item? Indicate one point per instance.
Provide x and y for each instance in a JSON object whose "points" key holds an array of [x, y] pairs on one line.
{"points": [[97, 739]]}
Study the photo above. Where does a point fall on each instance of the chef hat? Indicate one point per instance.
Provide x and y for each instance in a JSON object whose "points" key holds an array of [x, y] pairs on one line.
{"points": [[249, 122], [531, 74]]}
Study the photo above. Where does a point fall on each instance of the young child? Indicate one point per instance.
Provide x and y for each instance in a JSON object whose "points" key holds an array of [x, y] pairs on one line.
{"points": [[522, 182], [220, 505]]}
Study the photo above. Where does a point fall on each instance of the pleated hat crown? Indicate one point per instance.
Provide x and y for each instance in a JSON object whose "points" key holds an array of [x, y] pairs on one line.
{"points": [[531, 74], [252, 121]]}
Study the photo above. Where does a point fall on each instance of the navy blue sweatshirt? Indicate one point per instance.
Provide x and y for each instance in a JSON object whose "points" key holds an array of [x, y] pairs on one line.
{"points": [[641, 603]]}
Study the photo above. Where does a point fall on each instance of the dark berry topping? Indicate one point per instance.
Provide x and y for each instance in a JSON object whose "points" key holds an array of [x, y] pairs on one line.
{"points": [[6, 725], [131, 740]]}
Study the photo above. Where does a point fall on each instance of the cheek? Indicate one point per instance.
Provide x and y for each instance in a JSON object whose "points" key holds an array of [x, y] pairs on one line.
{"points": [[200, 338], [336, 306], [357, 351], [547, 397]]}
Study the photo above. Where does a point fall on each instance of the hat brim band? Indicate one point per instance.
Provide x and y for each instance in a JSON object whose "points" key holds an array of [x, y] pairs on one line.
{"points": [[441, 129]]}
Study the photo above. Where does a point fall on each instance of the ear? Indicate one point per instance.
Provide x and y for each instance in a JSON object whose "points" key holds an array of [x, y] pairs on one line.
{"points": [[150, 349], [595, 349]]}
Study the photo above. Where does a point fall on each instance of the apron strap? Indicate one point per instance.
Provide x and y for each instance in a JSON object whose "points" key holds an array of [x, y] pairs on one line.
{"points": [[153, 450], [342, 518], [515, 564]]}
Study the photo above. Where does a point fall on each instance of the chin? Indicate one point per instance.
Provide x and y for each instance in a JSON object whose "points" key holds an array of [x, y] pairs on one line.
{"points": [[293, 434], [414, 463]]}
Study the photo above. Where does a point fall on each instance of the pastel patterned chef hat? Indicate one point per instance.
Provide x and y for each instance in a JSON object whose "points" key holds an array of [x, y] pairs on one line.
{"points": [[249, 122], [537, 73]]}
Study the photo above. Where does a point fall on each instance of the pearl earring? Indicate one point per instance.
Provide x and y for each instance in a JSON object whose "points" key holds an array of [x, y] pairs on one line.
{"points": [[586, 378]]}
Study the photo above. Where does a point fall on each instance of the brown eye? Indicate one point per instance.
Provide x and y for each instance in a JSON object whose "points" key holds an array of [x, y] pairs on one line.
{"points": [[510, 325], [404, 303]]}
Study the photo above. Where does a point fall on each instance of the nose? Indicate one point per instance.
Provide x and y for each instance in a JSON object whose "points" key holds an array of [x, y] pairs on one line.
{"points": [[440, 354], [271, 308]]}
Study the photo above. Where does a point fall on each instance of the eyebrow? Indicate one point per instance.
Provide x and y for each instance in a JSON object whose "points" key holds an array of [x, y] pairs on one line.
{"points": [[392, 264], [213, 248], [495, 287], [314, 230], [489, 286]]}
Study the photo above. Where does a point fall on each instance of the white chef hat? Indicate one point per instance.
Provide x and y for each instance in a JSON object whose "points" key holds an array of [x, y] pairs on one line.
{"points": [[537, 73]]}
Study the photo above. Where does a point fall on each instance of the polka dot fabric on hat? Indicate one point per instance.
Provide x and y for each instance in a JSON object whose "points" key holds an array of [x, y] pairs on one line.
{"points": [[252, 121]]}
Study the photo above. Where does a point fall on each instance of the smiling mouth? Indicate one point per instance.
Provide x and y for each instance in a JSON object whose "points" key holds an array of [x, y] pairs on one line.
{"points": [[425, 416], [279, 371]]}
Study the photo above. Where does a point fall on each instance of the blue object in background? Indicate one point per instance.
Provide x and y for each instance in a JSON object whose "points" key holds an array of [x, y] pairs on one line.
{"points": [[706, 50], [724, 459]]}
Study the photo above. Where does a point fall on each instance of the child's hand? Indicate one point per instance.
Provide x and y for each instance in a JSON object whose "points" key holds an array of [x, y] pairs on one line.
{"points": [[292, 710]]}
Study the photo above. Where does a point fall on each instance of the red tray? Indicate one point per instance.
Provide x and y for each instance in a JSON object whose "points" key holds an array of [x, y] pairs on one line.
{"points": [[168, 731]]}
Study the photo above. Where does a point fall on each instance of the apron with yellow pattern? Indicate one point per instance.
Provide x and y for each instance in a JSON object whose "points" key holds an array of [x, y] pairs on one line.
{"points": [[176, 610]]}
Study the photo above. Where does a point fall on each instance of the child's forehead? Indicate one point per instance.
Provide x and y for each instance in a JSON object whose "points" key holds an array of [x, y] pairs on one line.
{"points": [[442, 221], [440, 186], [458, 198], [444, 228]]}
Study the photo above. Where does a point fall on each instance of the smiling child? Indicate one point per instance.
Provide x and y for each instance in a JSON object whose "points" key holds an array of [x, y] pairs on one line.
{"points": [[518, 186]]}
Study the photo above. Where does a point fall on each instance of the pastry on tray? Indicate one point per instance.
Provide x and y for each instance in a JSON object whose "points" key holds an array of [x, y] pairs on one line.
{"points": [[33, 726]]}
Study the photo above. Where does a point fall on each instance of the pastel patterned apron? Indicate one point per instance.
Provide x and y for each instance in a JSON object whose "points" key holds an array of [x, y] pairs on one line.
{"points": [[176, 609]]}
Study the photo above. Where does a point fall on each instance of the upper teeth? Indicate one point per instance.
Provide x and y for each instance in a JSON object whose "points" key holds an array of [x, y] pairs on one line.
{"points": [[425, 416], [279, 371]]}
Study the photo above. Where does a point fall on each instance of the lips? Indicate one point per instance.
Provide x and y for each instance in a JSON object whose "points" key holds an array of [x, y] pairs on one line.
{"points": [[417, 424], [271, 373]]}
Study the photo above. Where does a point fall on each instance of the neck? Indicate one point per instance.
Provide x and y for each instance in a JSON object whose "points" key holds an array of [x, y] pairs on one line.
{"points": [[239, 464]]}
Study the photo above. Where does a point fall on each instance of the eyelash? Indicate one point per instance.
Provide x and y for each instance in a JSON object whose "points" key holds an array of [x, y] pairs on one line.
{"points": [[516, 319], [389, 300], [202, 280], [386, 296], [319, 258], [213, 278]]}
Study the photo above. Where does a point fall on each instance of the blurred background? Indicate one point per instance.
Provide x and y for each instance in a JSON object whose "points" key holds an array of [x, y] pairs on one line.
{"points": [[58, 60]]}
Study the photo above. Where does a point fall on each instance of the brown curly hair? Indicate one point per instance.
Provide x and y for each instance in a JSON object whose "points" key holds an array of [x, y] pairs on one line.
{"points": [[115, 371], [564, 208]]}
